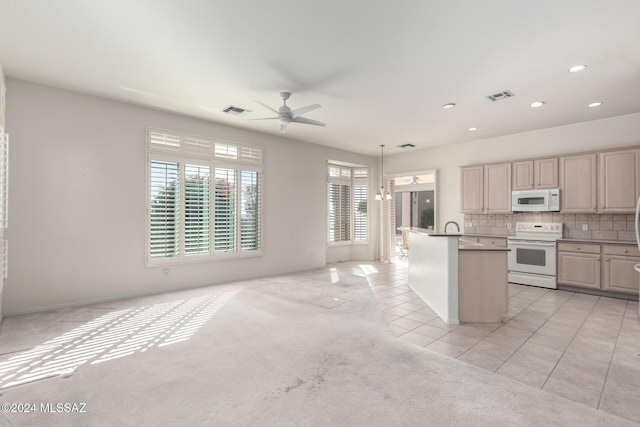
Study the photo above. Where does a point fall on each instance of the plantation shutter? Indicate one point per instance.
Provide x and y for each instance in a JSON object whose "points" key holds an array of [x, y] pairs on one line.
{"points": [[360, 202], [4, 179], [250, 221], [224, 210], [204, 198], [333, 208], [388, 240], [339, 212], [345, 213], [164, 208], [347, 204], [197, 180], [163, 142]]}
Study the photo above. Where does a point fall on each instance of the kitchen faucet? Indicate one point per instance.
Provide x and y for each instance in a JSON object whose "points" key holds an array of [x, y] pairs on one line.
{"points": [[451, 222]]}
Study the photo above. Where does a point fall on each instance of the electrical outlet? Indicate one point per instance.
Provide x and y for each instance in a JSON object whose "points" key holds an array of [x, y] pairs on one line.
{"points": [[509, 225], [585, 227]]}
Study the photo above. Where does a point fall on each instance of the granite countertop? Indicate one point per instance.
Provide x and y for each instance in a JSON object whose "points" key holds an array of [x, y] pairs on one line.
{"points": [[465, 245], [599, 242], [433, 233], [497, 236], [471, 246], [564, 239]]}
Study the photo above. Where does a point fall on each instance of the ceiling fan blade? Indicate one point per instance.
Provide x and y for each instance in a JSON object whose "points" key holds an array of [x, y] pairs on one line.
{"points": [[283, 128], [307, 121], [265, 105], [302, 110], [265, 118]]}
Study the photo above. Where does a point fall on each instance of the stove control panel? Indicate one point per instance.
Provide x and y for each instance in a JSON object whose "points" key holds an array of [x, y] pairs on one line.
{"points": [[539, 227]]}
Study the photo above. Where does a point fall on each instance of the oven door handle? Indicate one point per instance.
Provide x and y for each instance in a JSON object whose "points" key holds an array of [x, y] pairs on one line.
{"points": [[529, 243]]}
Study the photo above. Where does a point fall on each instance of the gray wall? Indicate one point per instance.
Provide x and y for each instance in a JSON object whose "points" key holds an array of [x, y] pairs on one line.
{"points": [[77, 202]]}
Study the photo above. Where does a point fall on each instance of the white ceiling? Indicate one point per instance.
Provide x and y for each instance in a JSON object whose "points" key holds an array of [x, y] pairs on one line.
{"points": [[381, 70]]}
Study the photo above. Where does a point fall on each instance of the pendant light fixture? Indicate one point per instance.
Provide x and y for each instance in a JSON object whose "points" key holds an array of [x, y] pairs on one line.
{"points": [[382, 194]]}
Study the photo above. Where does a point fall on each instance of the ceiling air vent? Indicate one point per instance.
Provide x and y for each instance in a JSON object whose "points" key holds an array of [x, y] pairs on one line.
{"points": [[235, 111], [405, 146], [501, 95]]}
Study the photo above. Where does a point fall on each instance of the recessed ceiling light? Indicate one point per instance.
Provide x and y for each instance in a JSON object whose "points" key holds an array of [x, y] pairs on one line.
{"points": [[449, 105], [472, 129], [577, 68], [595, 104], [537, 104]]}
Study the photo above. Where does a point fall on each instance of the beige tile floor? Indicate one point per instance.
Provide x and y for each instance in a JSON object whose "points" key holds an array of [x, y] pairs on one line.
{"points": [[582, 347]]}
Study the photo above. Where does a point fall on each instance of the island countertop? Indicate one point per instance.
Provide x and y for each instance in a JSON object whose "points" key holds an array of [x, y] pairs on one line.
{"points": [[463, 245]]}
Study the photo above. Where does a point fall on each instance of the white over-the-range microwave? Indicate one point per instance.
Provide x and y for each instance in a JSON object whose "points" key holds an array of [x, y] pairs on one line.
{"points": [[535, 200]]}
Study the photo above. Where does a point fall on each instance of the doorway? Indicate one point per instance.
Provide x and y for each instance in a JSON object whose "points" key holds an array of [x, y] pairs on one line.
{"points": [[414, 203]]}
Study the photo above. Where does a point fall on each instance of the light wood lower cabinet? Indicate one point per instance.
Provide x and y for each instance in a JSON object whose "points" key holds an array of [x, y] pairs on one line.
{"points": [[603, 267], [619, 272], [579, 269]]}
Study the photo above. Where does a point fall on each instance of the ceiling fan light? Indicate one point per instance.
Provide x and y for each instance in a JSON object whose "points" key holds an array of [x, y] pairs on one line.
{"points": [[379, 196], [387, 196]]}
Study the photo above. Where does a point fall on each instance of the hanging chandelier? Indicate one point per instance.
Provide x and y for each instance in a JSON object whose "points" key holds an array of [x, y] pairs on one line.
{"points": [[382, 194]]}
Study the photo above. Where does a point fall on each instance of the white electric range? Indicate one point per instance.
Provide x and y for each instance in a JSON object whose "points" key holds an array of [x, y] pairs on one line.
{"points": [[532, 259]]}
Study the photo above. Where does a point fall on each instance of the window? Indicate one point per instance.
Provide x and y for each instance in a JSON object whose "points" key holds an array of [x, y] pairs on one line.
{"points": [[347, 201], [204, 198]]}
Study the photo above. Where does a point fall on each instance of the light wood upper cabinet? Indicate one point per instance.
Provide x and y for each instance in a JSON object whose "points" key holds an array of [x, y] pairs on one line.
{"points": [[545, 173], [523, 175], [497, 188], [618, 186], [472, 189], [530, 174], [578, 183], [485, 189]]}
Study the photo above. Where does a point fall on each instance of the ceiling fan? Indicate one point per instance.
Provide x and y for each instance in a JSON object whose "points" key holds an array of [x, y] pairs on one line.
{"points": [[286, 115]]}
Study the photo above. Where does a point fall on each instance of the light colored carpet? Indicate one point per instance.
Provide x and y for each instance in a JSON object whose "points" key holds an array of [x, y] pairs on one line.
{"points": [[273, 354]]}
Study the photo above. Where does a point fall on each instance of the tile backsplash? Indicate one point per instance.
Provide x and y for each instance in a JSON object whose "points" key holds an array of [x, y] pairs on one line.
{"points": [[600, 226]]}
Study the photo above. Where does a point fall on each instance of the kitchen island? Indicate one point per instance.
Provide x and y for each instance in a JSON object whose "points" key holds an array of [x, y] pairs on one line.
{"points": [[461, 281]]}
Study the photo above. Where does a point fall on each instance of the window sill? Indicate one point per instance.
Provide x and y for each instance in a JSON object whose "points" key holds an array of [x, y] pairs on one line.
{"points": [[151, 263]]}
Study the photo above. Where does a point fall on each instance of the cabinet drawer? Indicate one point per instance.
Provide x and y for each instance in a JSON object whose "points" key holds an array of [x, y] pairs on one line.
{"points": [[621, 250], [495, 241], [473, 239], [579, 247]]}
